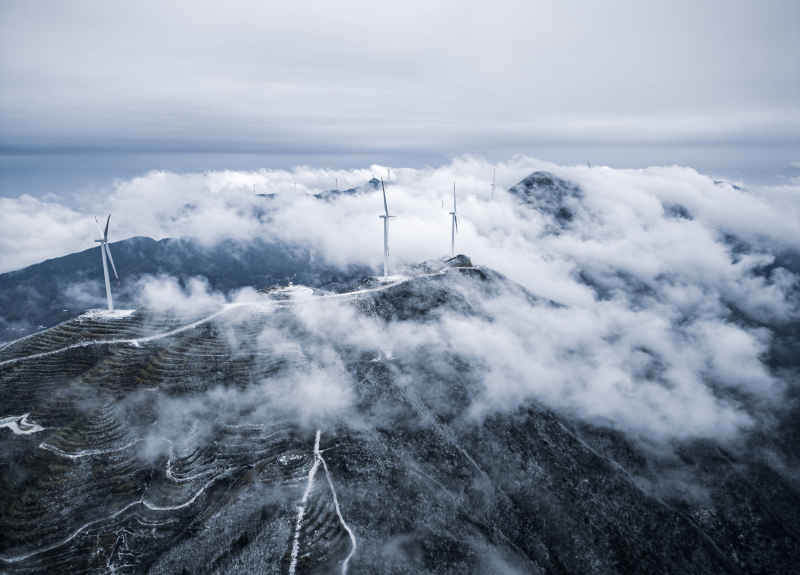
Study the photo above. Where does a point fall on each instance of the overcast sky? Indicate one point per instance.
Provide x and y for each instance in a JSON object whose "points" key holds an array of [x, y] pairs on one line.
{"points": [[324, 77]]}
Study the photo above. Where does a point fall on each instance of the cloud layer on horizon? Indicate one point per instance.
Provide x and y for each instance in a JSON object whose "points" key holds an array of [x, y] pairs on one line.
{"points": [[623, 226], [668, 278]]}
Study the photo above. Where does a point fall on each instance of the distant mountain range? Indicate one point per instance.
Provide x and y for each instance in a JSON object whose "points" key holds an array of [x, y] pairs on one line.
{"points": [[371, 185]]}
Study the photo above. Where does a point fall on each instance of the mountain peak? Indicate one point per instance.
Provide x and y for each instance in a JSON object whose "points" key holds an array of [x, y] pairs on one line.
{"points": [[549, 194]]}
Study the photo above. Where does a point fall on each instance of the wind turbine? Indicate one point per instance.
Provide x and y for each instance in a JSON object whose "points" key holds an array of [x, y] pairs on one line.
{"points": [[385, 215], [493, 170], [453, 225], [106, 251]]}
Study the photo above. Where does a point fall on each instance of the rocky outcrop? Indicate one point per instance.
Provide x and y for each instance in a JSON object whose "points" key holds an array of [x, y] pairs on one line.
{"points": [[556, 198]]}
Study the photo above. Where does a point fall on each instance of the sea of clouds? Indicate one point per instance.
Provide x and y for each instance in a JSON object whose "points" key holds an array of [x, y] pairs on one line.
{"points": [[667, 314]]}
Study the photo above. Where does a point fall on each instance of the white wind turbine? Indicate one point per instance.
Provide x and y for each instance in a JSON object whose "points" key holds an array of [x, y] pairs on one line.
{"points": [[105, 251], [385, 216], [453, 225]]}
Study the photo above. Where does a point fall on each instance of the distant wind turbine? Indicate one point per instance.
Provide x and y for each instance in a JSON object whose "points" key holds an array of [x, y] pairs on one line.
{"points": [[385, 215], [105, 251], [453, 225], [493, 174]]}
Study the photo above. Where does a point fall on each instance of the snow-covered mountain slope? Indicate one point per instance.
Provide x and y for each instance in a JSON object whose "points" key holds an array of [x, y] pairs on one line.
{"points": [[353, 429]]}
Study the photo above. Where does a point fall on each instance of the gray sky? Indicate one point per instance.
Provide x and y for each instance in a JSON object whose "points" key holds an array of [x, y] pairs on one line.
{"points": [[445, 78]]}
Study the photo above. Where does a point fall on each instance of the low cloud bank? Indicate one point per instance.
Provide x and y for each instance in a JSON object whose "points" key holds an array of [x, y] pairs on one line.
{"points": [[674, 286], [636, 370]]}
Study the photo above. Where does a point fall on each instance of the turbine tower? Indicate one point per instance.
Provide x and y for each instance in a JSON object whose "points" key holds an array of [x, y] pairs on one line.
{"points": [[453, 225], [385, 215], [105, 251]]}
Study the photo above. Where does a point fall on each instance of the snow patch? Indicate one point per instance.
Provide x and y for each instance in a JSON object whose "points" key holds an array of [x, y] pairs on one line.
{"points": [[353, 544], [19, 424], [292, 292], [86, 452], [287, 459], [391, 278], [301, 509], [107, 314]]}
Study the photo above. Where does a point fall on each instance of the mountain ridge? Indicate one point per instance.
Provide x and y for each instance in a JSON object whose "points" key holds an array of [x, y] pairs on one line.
{"points": [[39, 295], [200, 462]]}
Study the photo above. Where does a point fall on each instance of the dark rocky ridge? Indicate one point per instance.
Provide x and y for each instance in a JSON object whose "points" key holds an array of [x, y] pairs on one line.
{"points": [[425, 488], [45, 294], [550, 195]]}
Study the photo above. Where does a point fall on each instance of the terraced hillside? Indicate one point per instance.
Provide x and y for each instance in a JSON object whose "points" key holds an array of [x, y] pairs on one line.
{"points": [[247, 439]]}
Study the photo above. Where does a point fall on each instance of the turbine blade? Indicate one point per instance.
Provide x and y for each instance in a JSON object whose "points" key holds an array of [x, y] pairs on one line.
{"points": [[385, 206], [113, 267], [455, 221], [105, 233]]}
